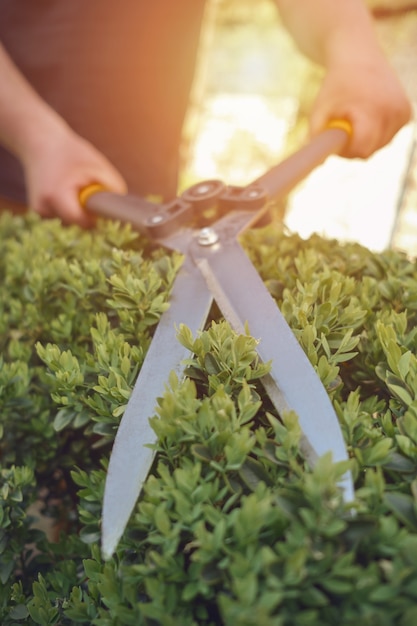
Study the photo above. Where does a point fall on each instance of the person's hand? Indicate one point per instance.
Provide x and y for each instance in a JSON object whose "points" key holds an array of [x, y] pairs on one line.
{"points": [[359, 84], [57, 162], [369, 95], [58, 167]]}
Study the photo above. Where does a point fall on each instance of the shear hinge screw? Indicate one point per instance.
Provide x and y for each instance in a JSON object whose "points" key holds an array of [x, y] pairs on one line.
{"points": [[202, 189], [156, 219], [207, 237]]}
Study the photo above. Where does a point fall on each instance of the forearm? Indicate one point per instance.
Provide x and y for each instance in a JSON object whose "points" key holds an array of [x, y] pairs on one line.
{"points": [[24, 116], [331, 32]]}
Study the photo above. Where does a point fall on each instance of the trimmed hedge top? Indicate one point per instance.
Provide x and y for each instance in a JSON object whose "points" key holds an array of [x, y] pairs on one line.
{"points": [[233, 527]]}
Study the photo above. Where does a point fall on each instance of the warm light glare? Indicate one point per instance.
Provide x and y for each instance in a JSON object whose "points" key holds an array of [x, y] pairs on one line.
{"points": [[354, 200], [254, 89], [240, 137]]}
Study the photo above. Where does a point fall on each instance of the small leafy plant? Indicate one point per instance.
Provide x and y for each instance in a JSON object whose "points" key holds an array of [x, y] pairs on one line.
{"points": [[232, 527]]}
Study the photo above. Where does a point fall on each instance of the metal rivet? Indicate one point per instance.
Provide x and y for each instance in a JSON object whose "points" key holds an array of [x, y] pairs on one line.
{"points": [[156, 219], [202, 189], [207, 237]]}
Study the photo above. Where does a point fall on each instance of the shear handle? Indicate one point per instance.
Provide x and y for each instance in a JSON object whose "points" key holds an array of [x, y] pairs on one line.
{"points": [[161, 220], [149, 218], [282, 178]]}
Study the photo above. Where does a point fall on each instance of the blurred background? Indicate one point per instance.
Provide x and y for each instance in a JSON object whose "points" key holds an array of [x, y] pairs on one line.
{"points": [[249, 107]]}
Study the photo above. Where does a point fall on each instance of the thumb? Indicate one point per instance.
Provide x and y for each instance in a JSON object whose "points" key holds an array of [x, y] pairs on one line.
{"points": [[112, 180]]}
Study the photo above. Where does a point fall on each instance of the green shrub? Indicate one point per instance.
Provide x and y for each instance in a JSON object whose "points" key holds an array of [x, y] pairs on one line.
{"points": [[232, 528]]}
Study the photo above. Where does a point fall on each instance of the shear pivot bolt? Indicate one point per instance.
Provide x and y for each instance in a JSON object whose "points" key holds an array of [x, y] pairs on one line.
{"points": [[207, 237], [202, 189], [156, 219]]}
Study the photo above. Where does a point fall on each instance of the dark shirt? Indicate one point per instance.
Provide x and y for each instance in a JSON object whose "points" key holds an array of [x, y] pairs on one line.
{"points": [[118, 72]]}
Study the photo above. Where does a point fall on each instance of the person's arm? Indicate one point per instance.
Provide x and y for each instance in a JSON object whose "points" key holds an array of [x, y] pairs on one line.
{"points": [[359, 84], [57, 162]]}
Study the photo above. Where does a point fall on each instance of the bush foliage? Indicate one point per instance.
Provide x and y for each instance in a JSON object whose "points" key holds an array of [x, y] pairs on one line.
{"points": [[233, 528]]}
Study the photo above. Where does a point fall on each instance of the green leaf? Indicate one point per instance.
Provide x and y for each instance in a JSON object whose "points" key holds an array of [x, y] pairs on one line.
{"points": [[211, 364], [377, 453], [404, 364], [6, 568], [401, 393], [201, 452], [63, 418], [399, 463], [19, 612], [252, 473], [403, 507]]}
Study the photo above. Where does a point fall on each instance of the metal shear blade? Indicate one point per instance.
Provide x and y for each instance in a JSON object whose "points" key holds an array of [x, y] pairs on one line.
{"points": [[292, 383], [131, 459], [212, 258]]}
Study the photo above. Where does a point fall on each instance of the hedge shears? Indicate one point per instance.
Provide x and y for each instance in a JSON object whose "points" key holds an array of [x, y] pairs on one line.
{"points": [[215, 267]]}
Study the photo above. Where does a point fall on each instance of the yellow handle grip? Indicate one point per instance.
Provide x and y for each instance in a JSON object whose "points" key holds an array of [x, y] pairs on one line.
{"points": [[88, 191], [343, 125]]}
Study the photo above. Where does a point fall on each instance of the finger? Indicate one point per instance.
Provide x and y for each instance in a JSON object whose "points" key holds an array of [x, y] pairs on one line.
{"points": [[41, 207], [66, 207], [105, 175], [70, 211], [367, 133], [113, 180]]}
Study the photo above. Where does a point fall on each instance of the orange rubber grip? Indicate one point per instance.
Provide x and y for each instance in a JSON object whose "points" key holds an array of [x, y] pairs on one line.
{"points": [[88, 191]]}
